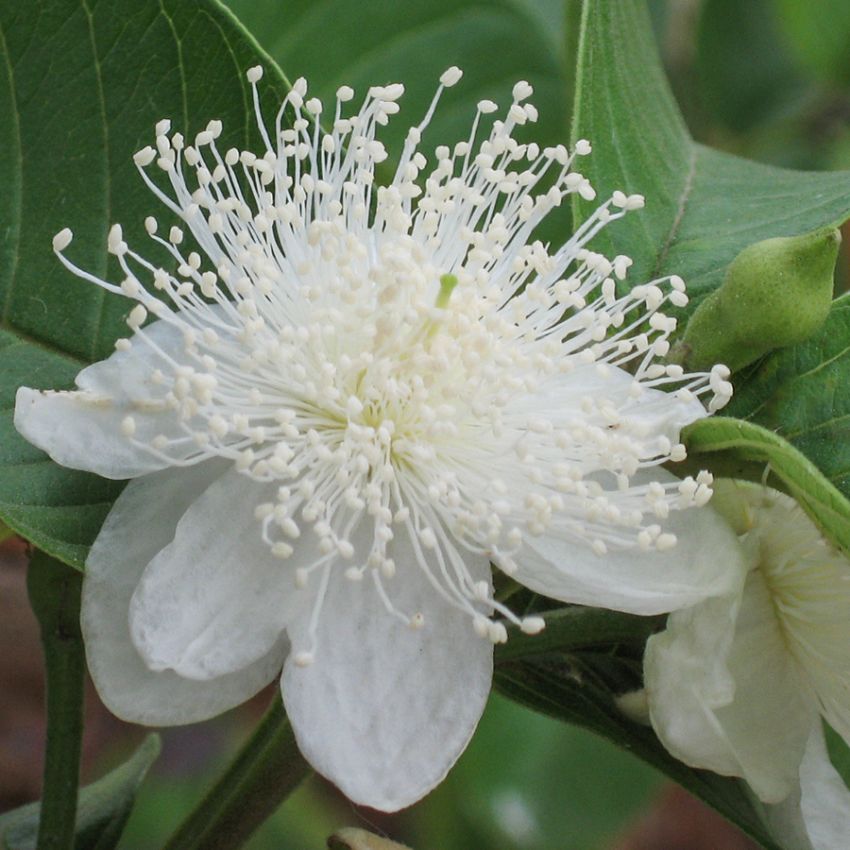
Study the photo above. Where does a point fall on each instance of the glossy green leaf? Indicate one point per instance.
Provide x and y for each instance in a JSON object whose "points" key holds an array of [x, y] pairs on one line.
{"points": [[703, 206], [80, 91], [103, 809], [742, 449]]}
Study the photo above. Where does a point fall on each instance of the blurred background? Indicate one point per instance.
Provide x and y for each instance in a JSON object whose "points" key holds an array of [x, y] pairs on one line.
{"points": [[765, 79]]}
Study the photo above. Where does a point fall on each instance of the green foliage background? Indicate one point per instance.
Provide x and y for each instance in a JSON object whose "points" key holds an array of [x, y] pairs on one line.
{"points": [[83, 83]]}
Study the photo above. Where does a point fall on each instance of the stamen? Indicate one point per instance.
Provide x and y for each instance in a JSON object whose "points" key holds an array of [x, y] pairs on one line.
{"points": [[305, 349]]}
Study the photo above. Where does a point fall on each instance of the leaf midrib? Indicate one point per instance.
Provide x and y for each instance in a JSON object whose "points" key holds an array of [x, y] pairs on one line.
{"points": [[101, 294], [684, 197], [17, 180]]}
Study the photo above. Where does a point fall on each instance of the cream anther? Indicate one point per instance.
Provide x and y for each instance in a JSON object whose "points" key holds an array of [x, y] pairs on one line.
{"points": [[62, 239], [144, 157], [451, 76]]}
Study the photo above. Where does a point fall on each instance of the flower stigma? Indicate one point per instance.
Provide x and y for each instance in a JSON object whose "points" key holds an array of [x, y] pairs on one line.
{"points": [[404, 359]]}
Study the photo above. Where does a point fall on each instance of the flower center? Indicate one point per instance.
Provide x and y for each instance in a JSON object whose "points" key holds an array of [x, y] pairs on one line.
{"points": [[394, 358]]}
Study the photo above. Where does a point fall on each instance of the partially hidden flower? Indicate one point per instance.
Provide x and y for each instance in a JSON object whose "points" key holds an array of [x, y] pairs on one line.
{"points": [[740, 684], [353, 399]]}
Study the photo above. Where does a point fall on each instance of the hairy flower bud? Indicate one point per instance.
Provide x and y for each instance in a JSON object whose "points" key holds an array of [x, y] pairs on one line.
{"points": [[776, 293]]}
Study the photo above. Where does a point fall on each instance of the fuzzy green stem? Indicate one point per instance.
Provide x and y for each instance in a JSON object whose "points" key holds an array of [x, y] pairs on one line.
{"points": [[54, 593], [263, 774]]}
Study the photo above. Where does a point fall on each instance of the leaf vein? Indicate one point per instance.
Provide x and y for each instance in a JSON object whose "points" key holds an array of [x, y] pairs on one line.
{"points": [[22, 338], [17, 180], [687, 188], [179, 43], [98, 71]]}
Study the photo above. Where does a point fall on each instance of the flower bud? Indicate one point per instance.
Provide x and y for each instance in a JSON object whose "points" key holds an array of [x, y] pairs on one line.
{"points": [[776, 293]]}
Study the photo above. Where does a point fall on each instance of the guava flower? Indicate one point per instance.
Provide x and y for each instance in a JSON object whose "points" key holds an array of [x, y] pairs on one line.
{"points": [[740, 684], [353, 399]]}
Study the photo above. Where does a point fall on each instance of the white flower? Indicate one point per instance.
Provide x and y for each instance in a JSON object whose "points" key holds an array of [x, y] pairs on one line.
{"points": [[353, 400], [739, 684]]}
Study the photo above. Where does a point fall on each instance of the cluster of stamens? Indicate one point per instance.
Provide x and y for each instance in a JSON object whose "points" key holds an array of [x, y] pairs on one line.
{"points": [[376, 353]]}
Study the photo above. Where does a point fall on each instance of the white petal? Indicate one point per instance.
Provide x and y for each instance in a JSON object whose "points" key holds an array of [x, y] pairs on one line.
{"points": [[825, 800], [686, 677], [141, 522], [127, 375], [757, 729], [706, 561], [82, 429], [384, 711], [649, 416], [816, 815], [811, 586], [216, 600]]}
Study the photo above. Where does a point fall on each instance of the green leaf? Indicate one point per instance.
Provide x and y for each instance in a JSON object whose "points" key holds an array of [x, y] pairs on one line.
{"points": [[702, 206], [366, 42], [839, 752], [80, 91], [745, 450], [103, 810], [802, 393], [570, 689], [796, 407], [577, 626], [59, 509]]}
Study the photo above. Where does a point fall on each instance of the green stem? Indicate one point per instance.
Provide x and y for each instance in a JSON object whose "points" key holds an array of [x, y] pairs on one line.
{"points": [[263, 774], [54, 592], [578, 627]]}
